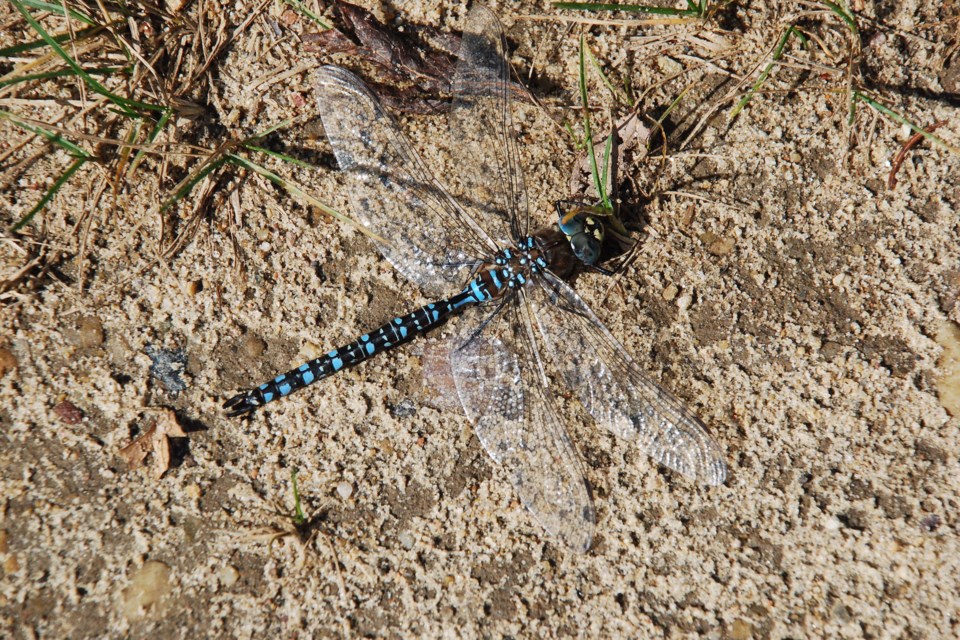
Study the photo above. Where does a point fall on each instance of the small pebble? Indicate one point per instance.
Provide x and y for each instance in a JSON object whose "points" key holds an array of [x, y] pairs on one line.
{"points": [[8, 361], [931, 523], [708, 237], [91, 331], [86, 334], [150, 583], [289, 17], [668, 65], [406, 540], [167, 367], [68, 413], [194, 287], [670, 292], [841, 613], [741, 630], [721, 246], [403, 409], [228, 576], [684, 301], [345, 490], [948, 368]]}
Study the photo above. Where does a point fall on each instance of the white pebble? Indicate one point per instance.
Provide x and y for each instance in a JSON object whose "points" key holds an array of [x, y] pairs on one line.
{"points": [[148, 585], [406, 540], [228, 576]]}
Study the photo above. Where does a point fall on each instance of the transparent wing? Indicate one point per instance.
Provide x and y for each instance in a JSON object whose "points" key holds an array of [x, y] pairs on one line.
{"points": [[490, 182], [615, 391], [503, 391], [427, 236]]}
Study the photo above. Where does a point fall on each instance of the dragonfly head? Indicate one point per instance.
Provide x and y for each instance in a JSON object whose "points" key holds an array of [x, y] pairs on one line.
{"points": [[583, 229]]}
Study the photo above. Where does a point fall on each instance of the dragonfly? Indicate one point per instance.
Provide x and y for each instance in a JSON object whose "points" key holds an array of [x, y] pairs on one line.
{"points": [[521, 332]]}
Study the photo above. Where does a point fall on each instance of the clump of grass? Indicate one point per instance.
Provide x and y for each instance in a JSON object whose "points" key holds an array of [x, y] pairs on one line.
{"points": [[693, 10], [601, 173], [856, 93], [130, 109], [20, 77], [790, 31]]}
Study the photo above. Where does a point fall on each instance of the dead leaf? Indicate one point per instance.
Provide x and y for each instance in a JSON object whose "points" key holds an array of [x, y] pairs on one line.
{"points": [[155, 438], [412, 66], [330, 41]]}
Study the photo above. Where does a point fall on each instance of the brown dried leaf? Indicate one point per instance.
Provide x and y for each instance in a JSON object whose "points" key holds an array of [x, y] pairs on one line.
{"points": [[167, 425], [156, 438], [135, 452], [396, 52], [413, 66], [330, 41]]}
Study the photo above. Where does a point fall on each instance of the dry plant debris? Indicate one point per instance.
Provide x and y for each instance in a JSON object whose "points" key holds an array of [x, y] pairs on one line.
{"points": [[156, 439]]}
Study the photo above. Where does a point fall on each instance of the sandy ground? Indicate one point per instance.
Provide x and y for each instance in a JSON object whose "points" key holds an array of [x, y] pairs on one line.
{"points": [[790, 297]]}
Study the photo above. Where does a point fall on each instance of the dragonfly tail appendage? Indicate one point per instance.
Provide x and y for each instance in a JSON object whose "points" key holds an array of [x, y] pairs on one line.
{"points": [[391, 334], [284, 384]]}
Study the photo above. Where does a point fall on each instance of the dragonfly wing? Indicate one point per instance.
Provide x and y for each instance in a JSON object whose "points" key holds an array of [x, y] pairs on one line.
{"points": [[490, 185], [426, 236], [502, 390], [615, 391]]}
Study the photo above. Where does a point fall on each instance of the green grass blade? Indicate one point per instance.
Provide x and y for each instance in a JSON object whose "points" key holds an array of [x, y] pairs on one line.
{"points": [[606, 81], [127, 106], [577, 142], [280, 156], [18, 49], [628, 8], [263, 134], [187, 187], [57, 8], [104, 71], [672, 106], [52, 191], [141, 154], [302, 9], [53, 137], [588, 133], [846, 17], [859, 96], [777, 54], [298, 517], [607, 149]]}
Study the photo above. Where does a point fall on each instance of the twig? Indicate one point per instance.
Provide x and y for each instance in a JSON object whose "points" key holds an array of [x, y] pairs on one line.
{"points": [[902, 154]]}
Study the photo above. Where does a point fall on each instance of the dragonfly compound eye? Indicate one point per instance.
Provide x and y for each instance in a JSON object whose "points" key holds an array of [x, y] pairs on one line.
{"points": [[586, 247]]}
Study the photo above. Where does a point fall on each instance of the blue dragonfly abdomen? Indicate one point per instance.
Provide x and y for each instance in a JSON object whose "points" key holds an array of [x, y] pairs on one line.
{"points": [[506, 272], [398, 331]]}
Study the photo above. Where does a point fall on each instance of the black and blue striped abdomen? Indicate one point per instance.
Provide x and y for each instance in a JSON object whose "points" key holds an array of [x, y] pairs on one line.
{"points": [[396, 332]]}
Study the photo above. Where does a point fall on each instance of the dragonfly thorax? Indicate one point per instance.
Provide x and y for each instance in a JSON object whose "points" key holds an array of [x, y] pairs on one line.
{"points": [[511, 269]]}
